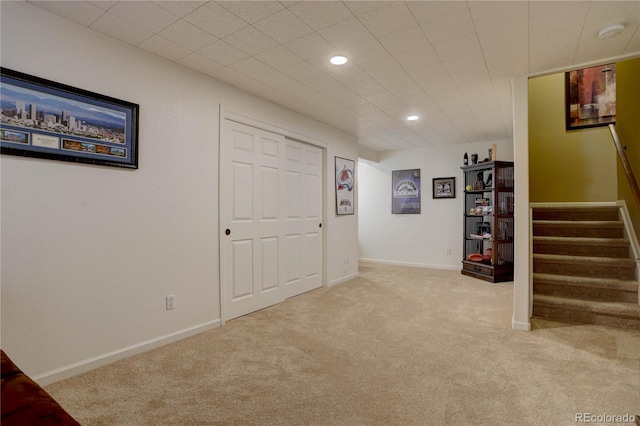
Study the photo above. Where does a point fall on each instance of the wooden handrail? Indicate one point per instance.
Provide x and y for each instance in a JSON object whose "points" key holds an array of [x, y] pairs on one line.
{"points": [[635, 190]]}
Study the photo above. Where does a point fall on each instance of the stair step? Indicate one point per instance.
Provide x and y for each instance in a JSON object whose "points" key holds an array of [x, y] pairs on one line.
{"points": [[609, 213], [598, 289], [584, 266], [583, 228], [580, 246], [612, 314]]}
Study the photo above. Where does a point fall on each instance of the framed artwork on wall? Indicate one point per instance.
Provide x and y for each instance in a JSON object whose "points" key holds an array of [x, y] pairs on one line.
{"points": [[405, 191], [44, 119], [345, 185], [590, 97], [444, 187]]}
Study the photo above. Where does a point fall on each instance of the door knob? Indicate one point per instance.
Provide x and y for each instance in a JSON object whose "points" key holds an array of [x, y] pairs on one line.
{"points": [[227, 231]]}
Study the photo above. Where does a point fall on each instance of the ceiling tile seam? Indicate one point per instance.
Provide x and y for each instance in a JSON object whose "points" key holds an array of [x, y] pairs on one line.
{"points": [[637, 30], [586, 16], [421, 88], [101, 15], [493, 87]]}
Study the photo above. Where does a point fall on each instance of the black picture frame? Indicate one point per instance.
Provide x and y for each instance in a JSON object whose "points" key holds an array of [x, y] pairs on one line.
{"points": [[41, 118], [444, 187], [590, 97]]}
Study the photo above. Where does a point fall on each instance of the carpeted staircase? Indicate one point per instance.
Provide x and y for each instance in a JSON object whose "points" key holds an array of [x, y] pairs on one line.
{"points": [[582, 269]]}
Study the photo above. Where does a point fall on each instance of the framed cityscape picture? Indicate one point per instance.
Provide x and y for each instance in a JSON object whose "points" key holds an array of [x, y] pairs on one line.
{"points": [[44, 119]]}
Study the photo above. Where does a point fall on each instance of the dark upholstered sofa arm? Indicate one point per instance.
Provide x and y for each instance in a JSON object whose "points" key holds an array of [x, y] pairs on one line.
{"points": [[24, 402]]}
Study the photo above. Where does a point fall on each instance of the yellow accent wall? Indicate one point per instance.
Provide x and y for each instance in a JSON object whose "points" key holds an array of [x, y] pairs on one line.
{"points": [[628, 127], [566, 166]]}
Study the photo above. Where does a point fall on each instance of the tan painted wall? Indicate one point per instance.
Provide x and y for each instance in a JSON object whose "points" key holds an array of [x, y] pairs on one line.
{"points": [[566, 166], [628, 127]]}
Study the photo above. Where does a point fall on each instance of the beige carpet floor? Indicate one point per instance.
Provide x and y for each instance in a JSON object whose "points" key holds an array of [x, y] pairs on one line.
{"points": [[396, 346]]}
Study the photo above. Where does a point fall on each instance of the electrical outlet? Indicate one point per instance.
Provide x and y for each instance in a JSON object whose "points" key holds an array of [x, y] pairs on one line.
{"points": [[345, 260], [447, 251], [171, 302]]}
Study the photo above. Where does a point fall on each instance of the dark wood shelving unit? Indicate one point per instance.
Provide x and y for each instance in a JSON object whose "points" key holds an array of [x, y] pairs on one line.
{"points": [[488, 221]]}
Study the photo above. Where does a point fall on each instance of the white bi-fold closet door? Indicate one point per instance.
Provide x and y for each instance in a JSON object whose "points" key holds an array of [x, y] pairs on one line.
{"points": [[270, 218]]}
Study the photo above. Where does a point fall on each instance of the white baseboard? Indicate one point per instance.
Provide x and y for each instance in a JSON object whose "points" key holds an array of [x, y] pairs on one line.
{"points": [[518, 325], [343, 279], [101, 360], [417, 265]]}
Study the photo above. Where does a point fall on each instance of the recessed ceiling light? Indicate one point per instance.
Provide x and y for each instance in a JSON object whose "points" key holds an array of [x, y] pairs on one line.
{"points": [[412, 118], [338, 60], [610, 31]]}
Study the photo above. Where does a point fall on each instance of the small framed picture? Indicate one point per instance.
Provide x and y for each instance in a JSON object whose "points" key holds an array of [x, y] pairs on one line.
{"points": [[444, 187]]}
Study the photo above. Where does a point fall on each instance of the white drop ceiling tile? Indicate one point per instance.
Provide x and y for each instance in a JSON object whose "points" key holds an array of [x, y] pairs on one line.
{"points": [[416, 61], [400, 84], [346, 34], [298, 90], [252, 11], [471, 62], [603, 13], [552, 7], [83, 13], [187, 35], [349, 74], [562, 22], [634, 44], [343, 95], [275, 79], [199, 63], [308, 74], [388, 19], [321, 14], [462, 46], [251, 41], [362, 7], [145, 14], [467, 79], [311, 46], [435, 79], [251, 67], [501, 38], [509, 69], [427, 11], [466, 123], [223, 53], [499, 13], [259, 89], [104, 5], [120, 29], [180, 8], [366, 52], [590, 49], [215, 20], [279, 56], [512, 52], [283, 26], [449, 28], [407, 40], [164, 48], [230, 76], [382, 67]]}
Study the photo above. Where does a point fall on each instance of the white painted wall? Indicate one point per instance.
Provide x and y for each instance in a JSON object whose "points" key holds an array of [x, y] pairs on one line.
{"points": [[409, 239], [89, 252]]}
